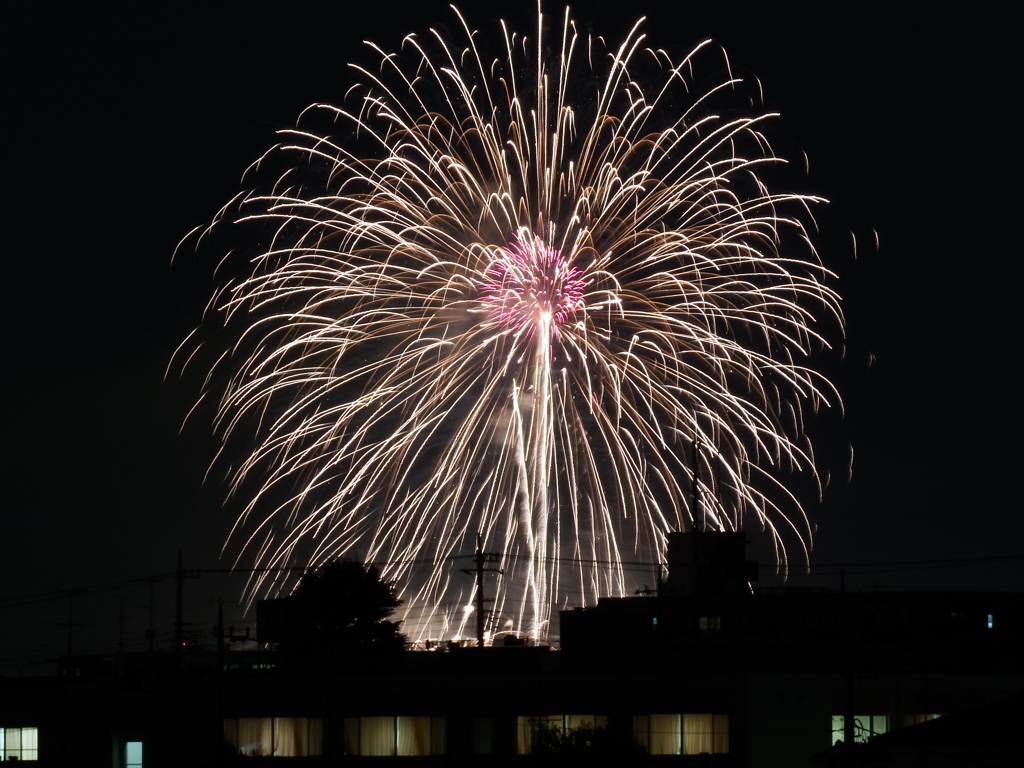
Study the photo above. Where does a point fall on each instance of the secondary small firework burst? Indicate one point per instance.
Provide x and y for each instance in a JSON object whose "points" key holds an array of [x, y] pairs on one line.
{"points": [[549, 298]]}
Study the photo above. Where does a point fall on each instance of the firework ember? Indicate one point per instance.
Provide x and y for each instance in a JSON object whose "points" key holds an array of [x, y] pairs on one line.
{"points": [[550, 297]]}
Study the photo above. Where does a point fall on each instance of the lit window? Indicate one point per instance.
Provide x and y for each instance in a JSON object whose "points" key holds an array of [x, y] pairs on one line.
{"points": [[275, 736], [658, 734], [689, 734], [19, 743], [133, 754], [990, 621], [864, 727], [403, 736], [531, 727]]}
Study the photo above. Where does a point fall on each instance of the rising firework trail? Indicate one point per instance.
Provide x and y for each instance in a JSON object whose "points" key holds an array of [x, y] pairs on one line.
{"points": [[550, 297]]}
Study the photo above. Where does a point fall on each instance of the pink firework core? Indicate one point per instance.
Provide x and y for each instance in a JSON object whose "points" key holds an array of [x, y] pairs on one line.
{"points": [[529, 283]]}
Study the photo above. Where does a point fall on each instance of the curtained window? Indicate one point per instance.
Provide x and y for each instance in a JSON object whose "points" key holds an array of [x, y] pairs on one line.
{"points": [[687, 734], [666, 734], [403, 736], [275, 736], [19, 744], [705, 733]]}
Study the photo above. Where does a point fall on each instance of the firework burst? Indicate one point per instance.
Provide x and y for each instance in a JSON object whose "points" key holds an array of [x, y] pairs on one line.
{"points": [[548, 298]]}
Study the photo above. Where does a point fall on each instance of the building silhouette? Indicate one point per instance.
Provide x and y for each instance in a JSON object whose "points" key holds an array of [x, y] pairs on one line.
{"points": [[706, 671]]}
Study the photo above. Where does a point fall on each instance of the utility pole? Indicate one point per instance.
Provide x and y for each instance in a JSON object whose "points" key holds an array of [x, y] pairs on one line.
{"points": [[70, 624], [150, 632], [179, 627], [217, 733], [849, 721], [482, 558]]}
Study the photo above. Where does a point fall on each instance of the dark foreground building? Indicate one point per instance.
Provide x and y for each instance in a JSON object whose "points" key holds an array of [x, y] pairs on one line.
{"points": [[707, 673]]}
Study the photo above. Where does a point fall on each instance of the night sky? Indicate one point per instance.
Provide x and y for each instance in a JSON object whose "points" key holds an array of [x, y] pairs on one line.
{"points": [[127, 132]]}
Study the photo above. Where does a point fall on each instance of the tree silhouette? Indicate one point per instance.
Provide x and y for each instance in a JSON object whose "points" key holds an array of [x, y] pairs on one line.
{"points": [[347, 606]]}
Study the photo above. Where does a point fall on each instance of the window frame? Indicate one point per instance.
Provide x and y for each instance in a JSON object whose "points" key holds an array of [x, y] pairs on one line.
{"points": [[309, 745], [684, 733], [528, 726], [128, 757], [876, 726], [24, 752], [360, 740]]}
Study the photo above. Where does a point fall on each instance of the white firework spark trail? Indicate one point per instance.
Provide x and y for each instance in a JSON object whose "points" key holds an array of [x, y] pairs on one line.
{"points": [[513, 297]]}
